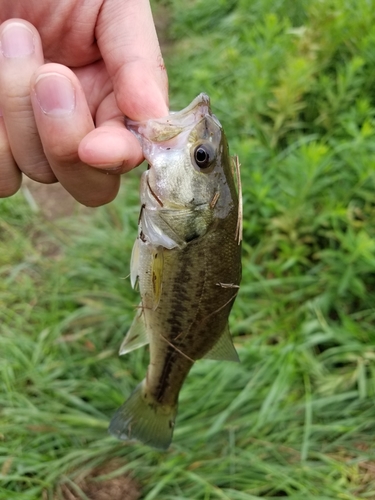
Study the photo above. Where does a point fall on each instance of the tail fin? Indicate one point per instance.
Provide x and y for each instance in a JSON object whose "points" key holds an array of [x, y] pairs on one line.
{"points": [[145, 420]]}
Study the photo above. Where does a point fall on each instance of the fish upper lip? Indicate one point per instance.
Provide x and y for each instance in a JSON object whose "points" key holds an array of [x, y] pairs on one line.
{"points": [[167, 127], [202, 100]]}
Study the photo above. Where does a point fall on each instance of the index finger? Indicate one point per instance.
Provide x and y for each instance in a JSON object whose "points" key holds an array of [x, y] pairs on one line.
{"points": [[129, 45]]}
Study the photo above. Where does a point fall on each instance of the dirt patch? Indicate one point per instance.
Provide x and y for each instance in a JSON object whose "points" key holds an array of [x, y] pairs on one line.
{"points": [[117, 488]]}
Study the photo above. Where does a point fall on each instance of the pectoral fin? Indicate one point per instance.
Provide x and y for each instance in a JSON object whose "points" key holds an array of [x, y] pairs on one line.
{"points": [[134, 264], [224, 349], [137, 334]]}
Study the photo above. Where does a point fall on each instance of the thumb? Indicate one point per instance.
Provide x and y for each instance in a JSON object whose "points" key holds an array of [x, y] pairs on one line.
{"points": [[129, 45]]}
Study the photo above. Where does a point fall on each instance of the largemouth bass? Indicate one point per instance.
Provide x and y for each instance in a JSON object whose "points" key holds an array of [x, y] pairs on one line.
{"points": [[186, 262]]}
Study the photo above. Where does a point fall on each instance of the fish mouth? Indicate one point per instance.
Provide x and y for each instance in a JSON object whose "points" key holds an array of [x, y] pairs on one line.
{"points": [[195, 111], [168, 127]]}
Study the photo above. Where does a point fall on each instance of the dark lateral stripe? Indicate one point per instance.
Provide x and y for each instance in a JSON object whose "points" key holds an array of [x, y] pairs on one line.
{"points": [[167, 368]]}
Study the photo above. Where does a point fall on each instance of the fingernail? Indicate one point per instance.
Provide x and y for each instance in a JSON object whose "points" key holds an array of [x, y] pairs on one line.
{"points": [[17, 41], [55, 94]]}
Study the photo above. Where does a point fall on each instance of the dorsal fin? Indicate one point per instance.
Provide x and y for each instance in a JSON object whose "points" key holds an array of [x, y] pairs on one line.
{"points": [[224, 349]]}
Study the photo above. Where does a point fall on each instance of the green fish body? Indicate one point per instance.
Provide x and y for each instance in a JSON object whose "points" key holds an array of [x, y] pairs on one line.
{"points": [[186, 261]]}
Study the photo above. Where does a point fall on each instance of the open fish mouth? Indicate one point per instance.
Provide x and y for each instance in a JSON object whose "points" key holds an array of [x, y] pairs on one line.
{"points": [[166, 128]]}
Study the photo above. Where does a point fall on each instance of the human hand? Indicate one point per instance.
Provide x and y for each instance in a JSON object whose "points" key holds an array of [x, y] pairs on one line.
{"points": [[63, 120]]}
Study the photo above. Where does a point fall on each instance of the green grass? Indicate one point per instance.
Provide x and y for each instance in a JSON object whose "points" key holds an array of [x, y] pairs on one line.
{"points": [[292, 83]]}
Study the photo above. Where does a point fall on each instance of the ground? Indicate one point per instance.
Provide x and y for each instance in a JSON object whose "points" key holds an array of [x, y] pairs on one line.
{"points": [[117, 488]]}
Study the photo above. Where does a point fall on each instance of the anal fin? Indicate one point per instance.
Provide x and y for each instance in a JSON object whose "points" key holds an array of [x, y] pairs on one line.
{"points": [[224, 349]]}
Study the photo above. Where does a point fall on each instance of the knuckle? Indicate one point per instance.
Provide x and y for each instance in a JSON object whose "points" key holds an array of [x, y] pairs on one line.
{"points": [[61, 151]]}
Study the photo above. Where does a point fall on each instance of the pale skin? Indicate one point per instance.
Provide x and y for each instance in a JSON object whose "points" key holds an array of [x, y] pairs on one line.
{"points": [[69, 72]]}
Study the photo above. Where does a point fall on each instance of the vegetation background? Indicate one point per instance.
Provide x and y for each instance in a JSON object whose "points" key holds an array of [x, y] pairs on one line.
{"points": [[293, 82]]}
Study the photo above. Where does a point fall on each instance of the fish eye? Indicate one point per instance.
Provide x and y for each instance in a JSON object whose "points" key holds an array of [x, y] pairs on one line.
{"points": [[204, 155]]}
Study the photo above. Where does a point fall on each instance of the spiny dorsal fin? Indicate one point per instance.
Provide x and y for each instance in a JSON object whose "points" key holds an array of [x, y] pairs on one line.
{"points": [[137, 334], [224, 349]]}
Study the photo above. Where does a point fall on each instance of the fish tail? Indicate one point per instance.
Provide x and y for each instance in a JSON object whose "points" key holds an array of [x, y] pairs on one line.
{"points": [[142, 418]]}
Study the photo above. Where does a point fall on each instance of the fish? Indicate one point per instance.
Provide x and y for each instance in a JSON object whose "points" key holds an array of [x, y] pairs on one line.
{"points": [[186, 262]]}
